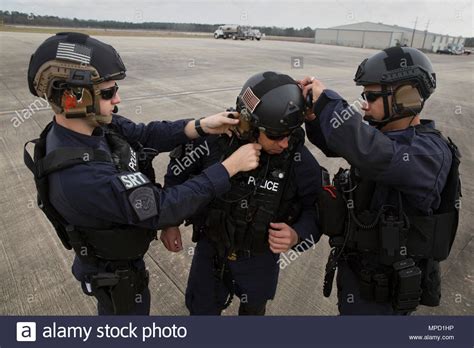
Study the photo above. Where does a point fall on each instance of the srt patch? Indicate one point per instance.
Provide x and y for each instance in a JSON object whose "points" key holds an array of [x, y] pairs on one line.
{"points": [[134, 180]]}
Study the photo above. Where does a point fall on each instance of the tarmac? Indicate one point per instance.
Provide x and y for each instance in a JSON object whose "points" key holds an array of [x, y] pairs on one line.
{"points": [[176, 78]]}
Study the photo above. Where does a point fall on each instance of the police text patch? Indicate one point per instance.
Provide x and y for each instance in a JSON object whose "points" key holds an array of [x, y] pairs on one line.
{"points": [[133, 180], [143, 202]]}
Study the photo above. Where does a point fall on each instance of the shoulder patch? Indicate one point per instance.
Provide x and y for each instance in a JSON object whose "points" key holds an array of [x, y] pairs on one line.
{"points": [[133, 180], [143, 202]]}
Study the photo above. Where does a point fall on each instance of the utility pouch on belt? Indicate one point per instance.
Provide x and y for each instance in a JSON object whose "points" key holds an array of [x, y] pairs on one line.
{"points": [[374, 287], [331, 208], [407, 278], [392, 236], [382, 290]]}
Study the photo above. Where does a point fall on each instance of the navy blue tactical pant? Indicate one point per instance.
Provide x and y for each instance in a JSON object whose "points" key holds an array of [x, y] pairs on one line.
{"points": [[81, 271], [348, 294], [254, 281]]}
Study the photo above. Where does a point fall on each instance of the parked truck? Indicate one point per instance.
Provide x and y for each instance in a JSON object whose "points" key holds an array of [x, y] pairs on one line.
{"points": [[237, 32], [255, 34]]}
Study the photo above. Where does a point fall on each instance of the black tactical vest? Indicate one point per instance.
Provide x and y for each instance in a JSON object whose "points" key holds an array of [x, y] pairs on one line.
{"points": [[389, 229], [394, 253], [239, 220], [119, 242]]}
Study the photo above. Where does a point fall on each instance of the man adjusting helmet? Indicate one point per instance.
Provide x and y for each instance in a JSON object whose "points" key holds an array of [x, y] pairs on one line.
{"points": [[94, 175]]}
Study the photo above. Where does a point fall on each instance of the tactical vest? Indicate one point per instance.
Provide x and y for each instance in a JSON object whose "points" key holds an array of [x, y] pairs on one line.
{"points": [[390, 241], [238, 221], [120, 242]]}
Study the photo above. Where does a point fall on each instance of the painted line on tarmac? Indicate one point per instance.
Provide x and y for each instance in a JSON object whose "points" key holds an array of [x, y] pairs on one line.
{"points": [[174, 94]]}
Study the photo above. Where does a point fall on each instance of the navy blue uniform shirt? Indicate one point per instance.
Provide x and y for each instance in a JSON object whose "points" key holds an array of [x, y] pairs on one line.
{"points": [[92, 194], [414, 163]]}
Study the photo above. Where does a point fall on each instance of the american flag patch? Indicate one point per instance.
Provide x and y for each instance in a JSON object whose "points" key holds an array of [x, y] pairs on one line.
{"points": [[251, 101], [74, 52]]}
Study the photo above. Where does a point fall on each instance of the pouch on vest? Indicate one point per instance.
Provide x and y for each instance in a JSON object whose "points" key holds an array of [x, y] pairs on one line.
{"points": [[407, 286], [220, 228], [259, 240], [431, 236], [331, 207]]}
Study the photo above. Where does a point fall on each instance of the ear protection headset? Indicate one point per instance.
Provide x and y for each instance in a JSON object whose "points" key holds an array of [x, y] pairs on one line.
{"points": [[406, 102], [73, 89]]}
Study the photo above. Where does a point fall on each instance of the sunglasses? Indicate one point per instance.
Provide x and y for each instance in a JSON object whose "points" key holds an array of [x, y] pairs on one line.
{"points": [[109, 93], [277, 137], [371, 96]]}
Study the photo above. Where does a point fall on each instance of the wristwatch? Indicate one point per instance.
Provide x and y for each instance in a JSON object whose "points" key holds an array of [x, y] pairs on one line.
{"points": [[199, 130]]}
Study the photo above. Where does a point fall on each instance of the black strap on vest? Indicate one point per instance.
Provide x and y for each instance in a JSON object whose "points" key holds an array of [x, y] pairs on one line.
{"points": [[66, 157], [60, 158], [56, 160], [60, 225]]}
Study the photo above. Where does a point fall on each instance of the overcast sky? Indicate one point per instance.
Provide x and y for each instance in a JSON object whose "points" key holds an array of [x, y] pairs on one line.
{"points": [[445, 17]]}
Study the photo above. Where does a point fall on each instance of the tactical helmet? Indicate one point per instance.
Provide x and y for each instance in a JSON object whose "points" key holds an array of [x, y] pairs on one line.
{"points": [[273, 101], [398, 66], [76, 64]]}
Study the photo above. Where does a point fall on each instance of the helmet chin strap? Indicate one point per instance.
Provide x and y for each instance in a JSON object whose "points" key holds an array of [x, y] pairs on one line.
{"points": [[390, 115], [387, 118], [102, 119], [379, 124]]}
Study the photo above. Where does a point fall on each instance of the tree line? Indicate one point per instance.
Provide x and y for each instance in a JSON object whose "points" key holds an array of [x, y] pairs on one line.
{"points": [[20, 18]]}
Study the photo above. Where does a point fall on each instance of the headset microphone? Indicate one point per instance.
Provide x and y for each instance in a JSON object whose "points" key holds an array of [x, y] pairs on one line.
{"points": [[115, 110]]}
